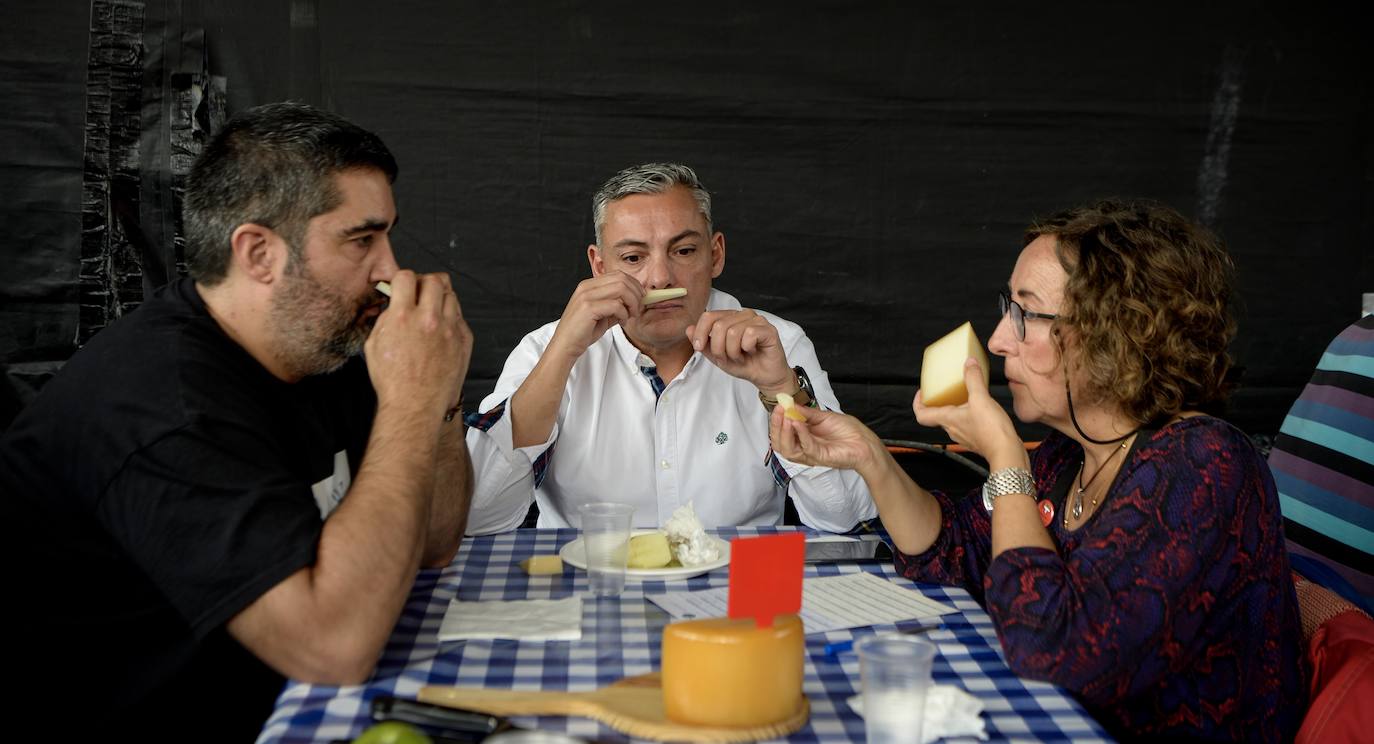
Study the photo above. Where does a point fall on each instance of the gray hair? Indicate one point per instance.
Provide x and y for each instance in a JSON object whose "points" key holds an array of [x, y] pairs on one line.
{"points": [[273, 165], [649, 178]]}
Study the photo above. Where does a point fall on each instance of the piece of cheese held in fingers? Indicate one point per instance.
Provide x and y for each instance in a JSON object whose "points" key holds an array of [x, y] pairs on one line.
{"points": [[789, 407], [655, 296], [942, 367]]}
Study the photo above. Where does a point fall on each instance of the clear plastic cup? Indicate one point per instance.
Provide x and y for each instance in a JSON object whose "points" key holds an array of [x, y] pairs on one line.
{"points": [[895, 670], [606, 538]]}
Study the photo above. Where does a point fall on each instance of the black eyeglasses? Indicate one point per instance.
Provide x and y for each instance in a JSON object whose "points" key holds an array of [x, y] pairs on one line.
{"points": [[1019, 314]]}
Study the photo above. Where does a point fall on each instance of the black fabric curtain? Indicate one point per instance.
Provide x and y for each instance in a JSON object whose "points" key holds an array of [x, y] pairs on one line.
{"points": [[873, 164]]}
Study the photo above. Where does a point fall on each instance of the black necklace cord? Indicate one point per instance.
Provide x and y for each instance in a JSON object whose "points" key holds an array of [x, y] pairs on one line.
{"points": [[1074, 418]]}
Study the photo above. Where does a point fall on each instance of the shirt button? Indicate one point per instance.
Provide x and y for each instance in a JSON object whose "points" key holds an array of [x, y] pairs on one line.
{"points": [[665, 464]]}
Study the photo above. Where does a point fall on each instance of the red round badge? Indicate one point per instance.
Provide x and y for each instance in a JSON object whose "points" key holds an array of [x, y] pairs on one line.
{"points": [[1046, 512]]}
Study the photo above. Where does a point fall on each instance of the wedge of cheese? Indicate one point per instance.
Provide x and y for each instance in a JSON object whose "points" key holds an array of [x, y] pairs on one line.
{"points": [[384, 288], [649, 551], [724, 672], [789, 407], [542, 565], [942, 367]]}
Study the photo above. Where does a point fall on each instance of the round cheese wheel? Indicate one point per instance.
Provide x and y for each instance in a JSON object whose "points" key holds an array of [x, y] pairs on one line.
{"points": [[725, 672]]}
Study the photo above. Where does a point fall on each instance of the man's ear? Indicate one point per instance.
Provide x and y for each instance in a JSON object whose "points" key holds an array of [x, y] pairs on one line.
{"points": [[594, 258], [257, 252], [717, 254]]}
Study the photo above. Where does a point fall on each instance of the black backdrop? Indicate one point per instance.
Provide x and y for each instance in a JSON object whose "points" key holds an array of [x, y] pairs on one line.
{"points": [[872, 164]]}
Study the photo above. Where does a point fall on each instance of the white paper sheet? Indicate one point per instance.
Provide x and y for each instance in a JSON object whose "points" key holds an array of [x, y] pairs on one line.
{"points": [[520, 619], [828, 603]]}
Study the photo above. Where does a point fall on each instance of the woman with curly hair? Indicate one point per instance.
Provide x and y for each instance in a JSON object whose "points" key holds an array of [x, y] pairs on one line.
{"points": [[1137, 558]]}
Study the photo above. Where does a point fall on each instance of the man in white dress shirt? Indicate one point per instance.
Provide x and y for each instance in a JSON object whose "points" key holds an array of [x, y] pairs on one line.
{"points": [[654, 405]]}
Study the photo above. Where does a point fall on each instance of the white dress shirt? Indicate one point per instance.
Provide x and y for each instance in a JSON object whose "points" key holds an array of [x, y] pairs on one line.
{"points": [[704, 441]]}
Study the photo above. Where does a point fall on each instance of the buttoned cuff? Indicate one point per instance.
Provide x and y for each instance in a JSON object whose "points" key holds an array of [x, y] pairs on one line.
{"points": [[503, 435], [795, 469]]}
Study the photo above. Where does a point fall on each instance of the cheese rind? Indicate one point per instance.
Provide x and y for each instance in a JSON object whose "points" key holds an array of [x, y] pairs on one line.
{"points": [[942, 367], [730, 672], [649, 551], [542, 565], [661, 295]]}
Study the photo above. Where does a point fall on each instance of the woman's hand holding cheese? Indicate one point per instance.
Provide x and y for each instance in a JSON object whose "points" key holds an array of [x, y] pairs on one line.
{"points": [[836, 440], [980, 424], [744, 344], [824, 438]]}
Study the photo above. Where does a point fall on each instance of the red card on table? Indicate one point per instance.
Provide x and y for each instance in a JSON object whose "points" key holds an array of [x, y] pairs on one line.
{"points": [[766, 576]]}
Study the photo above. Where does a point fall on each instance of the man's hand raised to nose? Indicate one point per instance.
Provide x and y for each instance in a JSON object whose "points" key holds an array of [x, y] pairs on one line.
{"points": [[596, 305], [419, 349]]}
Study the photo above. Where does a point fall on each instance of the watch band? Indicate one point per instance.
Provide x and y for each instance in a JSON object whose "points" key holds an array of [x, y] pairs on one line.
{"points": [[804, 386], [804, 397], [1005, 481]]}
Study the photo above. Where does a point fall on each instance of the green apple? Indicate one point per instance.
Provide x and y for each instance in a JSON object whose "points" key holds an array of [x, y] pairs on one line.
{"points": [[393, 732]]}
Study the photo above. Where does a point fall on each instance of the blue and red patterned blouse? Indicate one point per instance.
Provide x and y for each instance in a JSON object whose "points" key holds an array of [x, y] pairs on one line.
{"points": [[1170, 612]]}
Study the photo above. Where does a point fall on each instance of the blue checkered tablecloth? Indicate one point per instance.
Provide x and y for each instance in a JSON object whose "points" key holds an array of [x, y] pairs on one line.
{"points": [[621, 636]]}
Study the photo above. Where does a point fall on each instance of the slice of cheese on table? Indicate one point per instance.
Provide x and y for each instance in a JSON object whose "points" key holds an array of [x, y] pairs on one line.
{"points": [[942, 367], [542, 565], [730, 672]]}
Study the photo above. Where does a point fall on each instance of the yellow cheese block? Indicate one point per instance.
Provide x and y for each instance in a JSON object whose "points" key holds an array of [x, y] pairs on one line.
{"points": [[541, 565], [942, 367], [649, 551], [724, 672]]}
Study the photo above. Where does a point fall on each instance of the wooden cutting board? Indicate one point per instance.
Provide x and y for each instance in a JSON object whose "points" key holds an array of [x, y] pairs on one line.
{"points": [[633, 706]]}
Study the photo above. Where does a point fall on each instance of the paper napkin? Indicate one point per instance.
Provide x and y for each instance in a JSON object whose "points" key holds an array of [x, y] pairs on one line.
{"points": [[521, 620], [949, 712]]}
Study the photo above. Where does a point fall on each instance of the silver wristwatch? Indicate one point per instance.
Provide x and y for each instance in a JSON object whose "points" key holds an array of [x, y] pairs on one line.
{"points": [[1005, 481]]}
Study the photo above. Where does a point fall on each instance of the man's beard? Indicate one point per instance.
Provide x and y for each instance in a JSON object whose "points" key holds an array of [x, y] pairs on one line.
{"points": [[315, 330]]}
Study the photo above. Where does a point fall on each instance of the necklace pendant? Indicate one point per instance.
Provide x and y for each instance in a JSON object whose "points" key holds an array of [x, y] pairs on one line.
{"points": [[1078, 504]]}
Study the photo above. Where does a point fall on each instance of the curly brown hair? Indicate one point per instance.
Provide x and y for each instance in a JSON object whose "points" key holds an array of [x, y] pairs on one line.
{"points": [[1148, 301]]}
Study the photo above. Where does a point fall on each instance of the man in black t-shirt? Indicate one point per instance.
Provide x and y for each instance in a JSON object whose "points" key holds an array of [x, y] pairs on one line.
{"points": [[239, 480]]}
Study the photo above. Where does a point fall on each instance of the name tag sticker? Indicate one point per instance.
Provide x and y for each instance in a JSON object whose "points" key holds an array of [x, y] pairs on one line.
{"points": [[329, 493]]}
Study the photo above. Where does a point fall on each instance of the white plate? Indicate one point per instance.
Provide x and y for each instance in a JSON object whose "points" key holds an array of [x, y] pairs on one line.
{"points": [[575, 555]]}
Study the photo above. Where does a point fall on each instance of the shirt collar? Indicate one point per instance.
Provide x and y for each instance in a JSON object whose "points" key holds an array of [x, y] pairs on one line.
{"points": [[630, 355]]}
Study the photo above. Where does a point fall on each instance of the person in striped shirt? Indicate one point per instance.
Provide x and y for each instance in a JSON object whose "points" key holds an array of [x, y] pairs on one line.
{"points": [[1323, 465]]}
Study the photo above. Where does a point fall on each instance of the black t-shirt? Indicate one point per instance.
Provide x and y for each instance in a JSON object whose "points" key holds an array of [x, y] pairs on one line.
{"points": [[162, 482]]}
